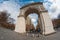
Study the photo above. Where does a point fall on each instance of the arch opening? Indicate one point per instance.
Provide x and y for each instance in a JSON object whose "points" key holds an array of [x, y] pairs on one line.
{"points": [[33, 23]]}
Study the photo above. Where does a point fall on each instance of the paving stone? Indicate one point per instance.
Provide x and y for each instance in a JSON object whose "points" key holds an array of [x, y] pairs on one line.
{"points": [[6, 34]]}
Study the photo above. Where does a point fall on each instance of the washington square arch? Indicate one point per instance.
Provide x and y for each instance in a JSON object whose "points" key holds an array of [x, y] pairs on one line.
{"points": [[45, 23]]}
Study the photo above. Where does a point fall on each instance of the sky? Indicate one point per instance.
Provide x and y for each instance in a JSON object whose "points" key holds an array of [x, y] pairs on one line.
{"points": [[13, 6], [34, 19], [54, 8]]}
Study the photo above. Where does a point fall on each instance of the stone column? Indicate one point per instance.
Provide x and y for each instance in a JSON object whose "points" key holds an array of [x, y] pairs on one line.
{"points": [[20, 25], [47, 24], [40, 24]]}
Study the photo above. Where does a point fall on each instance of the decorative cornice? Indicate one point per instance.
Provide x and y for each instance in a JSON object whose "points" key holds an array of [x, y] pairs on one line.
{"points": [[44, 11], [32, 4], [21, 16]]}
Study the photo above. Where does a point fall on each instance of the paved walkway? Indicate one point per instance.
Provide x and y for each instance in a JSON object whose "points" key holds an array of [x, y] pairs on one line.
{"points": [[6, 34]]}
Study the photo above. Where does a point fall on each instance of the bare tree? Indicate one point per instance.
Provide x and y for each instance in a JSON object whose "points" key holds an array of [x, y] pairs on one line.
{"points": [[4, 22], [4, 16]]}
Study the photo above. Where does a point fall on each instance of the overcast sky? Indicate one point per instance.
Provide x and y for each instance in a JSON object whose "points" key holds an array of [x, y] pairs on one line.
{"points": [[13, 6]]}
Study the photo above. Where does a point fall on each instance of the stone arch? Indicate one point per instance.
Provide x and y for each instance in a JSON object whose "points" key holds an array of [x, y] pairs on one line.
{"points": [[46, 23], [31, 10]]}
